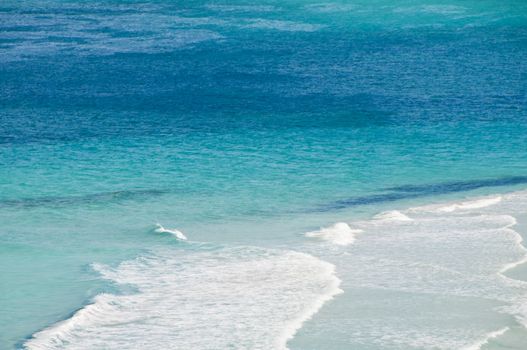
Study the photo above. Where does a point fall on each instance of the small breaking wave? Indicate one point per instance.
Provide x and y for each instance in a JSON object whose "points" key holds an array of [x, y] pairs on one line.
{"points": [[339, 233], [475, 204], [392, 215], [176, 233]]}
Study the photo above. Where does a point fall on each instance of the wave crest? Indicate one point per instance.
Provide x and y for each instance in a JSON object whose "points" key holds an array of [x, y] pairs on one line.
{"points": [[339, 233], [176, 233]]}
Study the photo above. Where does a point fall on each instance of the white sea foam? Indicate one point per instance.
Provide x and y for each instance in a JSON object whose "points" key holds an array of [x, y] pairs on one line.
{"points": [[475, 204], [235, 298], [392, 215], [339, 233], [519, 242], [491, 335], [176, 233], [512, 265], [439, 276], [519, 310]]}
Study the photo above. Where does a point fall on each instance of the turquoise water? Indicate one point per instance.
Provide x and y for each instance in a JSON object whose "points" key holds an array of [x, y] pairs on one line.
{"points": [[244, 126]]}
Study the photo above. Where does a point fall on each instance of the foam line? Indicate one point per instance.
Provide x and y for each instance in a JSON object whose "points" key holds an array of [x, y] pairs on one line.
{"points": [[294, 325], [475, 204], [486, 339], [519, 242]]}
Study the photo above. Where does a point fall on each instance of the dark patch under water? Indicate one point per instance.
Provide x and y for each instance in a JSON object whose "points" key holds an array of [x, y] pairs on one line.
{"points": [[415, 191], [103, 197]]}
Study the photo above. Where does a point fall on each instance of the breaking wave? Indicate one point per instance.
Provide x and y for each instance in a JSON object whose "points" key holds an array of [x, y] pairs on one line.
{"points": [[176, 233], [228, 298], [339, 233]]}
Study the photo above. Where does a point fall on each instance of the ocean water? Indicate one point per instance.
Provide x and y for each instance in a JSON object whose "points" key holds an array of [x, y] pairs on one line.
{"points": [[263, 175]]}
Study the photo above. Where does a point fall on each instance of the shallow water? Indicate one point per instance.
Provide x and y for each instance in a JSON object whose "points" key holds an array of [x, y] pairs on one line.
{"points": [[242, 128]]}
